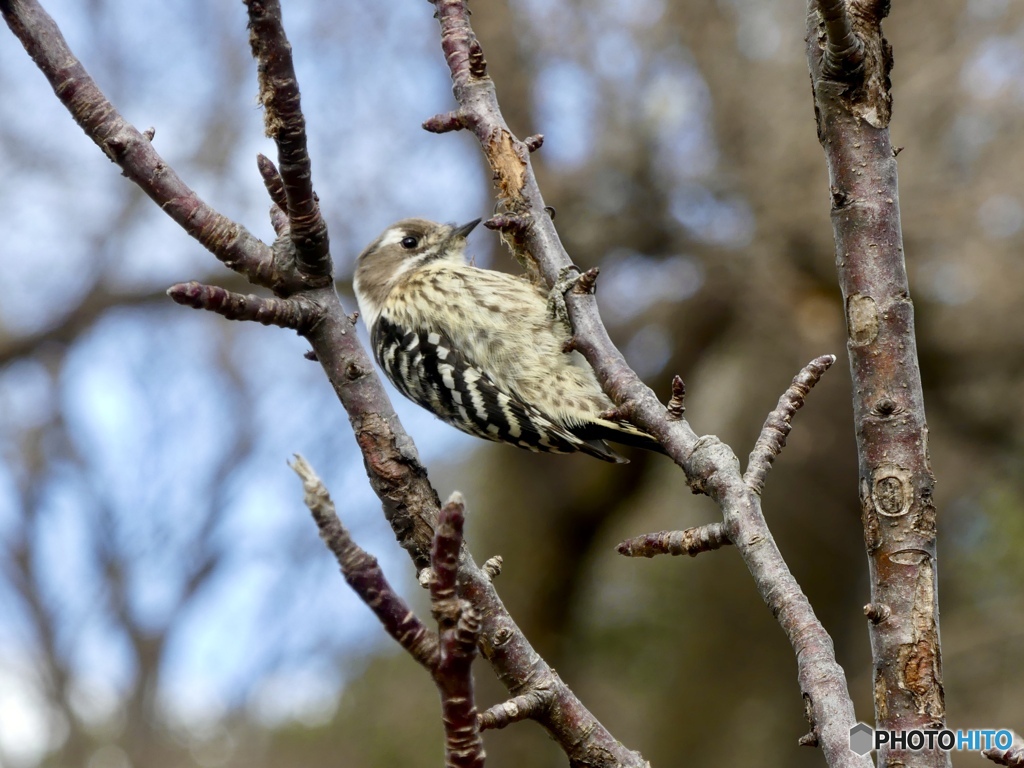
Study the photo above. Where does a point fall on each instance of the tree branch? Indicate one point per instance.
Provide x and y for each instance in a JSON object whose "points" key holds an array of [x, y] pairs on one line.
{"points": [[844, 52], [692, 542], [285, 313], [364, 575], [231, 243], [896, 480], [777, 426], [529, 706], [285, 124], [447, 655], [79, 319], [459, 623], [1013, 756]]}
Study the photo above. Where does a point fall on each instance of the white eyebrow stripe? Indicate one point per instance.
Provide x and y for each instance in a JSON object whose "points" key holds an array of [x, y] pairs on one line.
{"points": [[392, 237]]}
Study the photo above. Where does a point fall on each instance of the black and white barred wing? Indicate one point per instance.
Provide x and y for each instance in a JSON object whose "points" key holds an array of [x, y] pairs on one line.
{"points": [[427, 369]]}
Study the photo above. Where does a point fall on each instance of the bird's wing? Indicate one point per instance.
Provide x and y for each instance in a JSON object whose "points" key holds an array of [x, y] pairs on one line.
{"points": [[430, 371]]}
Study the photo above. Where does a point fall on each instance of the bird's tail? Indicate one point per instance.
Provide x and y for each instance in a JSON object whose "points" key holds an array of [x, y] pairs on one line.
{"points": [[621, 432]]}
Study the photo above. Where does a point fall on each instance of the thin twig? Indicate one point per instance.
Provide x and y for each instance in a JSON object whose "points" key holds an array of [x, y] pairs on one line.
{"points": [[447, 654], [364, 574], [527, 706], [285, 313], [1013, 756], [777, 426], [692, 542]]}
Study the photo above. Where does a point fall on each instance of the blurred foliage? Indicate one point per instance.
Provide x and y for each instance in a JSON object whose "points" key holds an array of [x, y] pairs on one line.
{"points": [[164, 599]]}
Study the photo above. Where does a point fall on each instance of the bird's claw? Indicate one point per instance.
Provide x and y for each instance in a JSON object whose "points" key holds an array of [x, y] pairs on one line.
{"points": [[567, 279]]}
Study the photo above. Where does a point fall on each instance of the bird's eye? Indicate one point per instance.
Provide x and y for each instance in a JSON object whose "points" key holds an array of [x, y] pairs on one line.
{"points": [[409, 242]]}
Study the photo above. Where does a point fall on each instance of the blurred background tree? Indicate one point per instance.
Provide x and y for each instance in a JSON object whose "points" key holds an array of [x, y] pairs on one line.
{"points": [[164, 599]]}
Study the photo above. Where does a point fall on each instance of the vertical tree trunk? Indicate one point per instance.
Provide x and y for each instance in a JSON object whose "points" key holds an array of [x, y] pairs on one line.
{"points": [[850, 62]]}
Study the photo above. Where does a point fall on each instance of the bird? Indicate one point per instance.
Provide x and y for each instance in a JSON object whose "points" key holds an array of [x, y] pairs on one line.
{"points": [[481, 349]]}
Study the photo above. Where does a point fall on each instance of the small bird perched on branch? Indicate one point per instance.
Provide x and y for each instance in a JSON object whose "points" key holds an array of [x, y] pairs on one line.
{"points": [[481, 349]]}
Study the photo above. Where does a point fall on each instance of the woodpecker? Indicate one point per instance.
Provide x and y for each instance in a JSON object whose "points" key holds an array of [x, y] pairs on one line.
{"points": [[480, 349]]}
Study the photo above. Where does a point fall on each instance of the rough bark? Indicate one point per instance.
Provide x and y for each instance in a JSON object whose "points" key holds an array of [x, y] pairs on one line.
{"points": [[853, 106]]}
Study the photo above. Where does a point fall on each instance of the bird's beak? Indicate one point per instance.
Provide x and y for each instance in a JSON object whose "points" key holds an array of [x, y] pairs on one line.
{"points": [[465, 229]]}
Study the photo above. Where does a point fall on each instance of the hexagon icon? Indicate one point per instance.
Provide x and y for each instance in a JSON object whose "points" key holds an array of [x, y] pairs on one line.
{"points": [[861, 738]]}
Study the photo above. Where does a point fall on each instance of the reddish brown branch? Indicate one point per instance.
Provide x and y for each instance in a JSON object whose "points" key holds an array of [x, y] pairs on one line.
{"points": [[448, 655], [364, 574], [459, 625], [692, 542], [1013, 757], [231, 243], [777, 426], [449, 121], [285, 124], [286, 313], [272, 181]]}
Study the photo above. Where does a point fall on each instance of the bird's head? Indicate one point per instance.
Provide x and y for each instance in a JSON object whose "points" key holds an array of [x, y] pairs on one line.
{"points": [[401, 248]]}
